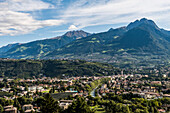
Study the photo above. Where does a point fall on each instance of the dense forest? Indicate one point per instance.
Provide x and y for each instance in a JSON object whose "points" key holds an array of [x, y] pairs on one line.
{"points": [[54, 68]]}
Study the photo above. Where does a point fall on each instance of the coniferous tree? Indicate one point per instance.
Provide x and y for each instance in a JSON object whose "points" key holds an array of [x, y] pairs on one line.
{"points": [[146, 110], [16, 103], [26, 88], [1, 109], [152, 109], [126, 109], [49, 105], [79, 106]]}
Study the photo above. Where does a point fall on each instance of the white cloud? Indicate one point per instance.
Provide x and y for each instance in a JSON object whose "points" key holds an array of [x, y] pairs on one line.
{"points": [[15, 16], [27, 5], [72, 27], [83, 13], [13, 22]]}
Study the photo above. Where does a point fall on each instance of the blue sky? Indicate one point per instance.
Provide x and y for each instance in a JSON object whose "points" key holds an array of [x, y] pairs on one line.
{"points": [[27, 20]]}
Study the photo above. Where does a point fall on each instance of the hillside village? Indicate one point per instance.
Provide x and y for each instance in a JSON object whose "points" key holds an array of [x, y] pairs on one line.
{"points": [[25, 92], [84, 56]]}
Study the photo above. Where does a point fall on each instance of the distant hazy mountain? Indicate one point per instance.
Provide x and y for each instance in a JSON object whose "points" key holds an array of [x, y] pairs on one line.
{"points": [[39, 48], [141, 40], [7, 47]]}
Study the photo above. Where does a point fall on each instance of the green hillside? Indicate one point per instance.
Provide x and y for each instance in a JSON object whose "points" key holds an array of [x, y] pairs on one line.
{"points": [[54, 68], [7, 47], [141, 42], [40, 48]]}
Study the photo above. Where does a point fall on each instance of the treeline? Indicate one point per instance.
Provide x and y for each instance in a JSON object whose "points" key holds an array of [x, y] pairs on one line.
{"points": [[54, 68], [20, 68], [110, 103], [130, 103]]}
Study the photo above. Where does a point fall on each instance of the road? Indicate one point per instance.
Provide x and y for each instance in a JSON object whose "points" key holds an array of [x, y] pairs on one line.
{"points": [[98, 93], [93, 92]]}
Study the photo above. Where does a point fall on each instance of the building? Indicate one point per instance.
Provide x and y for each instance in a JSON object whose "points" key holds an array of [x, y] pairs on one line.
{"points": [[65, 103], [164, 75], [104, 86], [27, 108], [156, 82], [10, 109]]}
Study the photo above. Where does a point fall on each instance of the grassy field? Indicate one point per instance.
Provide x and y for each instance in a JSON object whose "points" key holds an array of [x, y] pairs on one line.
{"points": [[58, 96], [100, 110], [47, 91]]}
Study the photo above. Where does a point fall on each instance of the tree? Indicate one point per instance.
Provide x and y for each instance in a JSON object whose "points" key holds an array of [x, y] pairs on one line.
{"points": [[79, 106], [9, 102], [152, 109], [16, 103], [5, 80], [39, 101], [137, 111], [53, 91], [2, 101], [156, 110], [26, 88], [146, 110], [113, 107], [119, 107], [49, 105], [126, 109], [1, 109]]}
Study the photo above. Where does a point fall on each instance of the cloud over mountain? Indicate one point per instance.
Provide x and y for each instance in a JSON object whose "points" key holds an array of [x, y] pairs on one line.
{"points": [[90, 13], [15, 17], [20, 18]]}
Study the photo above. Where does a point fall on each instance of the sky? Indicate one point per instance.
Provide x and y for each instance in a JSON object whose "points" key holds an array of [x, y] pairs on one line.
{"points": [[23, 21]]}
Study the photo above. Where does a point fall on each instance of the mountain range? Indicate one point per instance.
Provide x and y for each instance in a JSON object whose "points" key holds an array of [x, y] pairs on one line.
{"points": [[140, 42], [7, 47], [40, 48]]}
